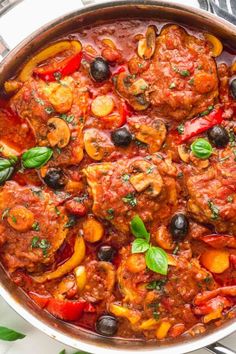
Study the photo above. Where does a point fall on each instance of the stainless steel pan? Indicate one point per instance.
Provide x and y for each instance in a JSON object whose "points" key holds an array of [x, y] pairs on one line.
{"points": [[159, 10]]}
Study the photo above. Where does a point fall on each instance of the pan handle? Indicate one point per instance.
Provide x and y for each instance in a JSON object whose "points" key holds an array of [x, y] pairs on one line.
{"points": [[217, 348]]}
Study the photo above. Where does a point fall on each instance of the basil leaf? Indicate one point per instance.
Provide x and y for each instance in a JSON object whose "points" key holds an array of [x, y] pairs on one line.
{"points": [[139, 246], [138, 228], [156, 260], [36, 157], [201, 148], [10, 335], [63, 352], [6, 168]]}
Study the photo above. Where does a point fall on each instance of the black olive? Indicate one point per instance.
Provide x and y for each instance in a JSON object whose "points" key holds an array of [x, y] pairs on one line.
{"points": [[218, 136], [106, 253], [106, 325], [233, 88], [121, 137], [99, 69], [179, 227], [55, 178]]}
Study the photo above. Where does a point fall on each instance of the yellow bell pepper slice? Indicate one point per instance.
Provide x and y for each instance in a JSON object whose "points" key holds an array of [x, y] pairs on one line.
{"points": [[45, 54], [68, 266]]}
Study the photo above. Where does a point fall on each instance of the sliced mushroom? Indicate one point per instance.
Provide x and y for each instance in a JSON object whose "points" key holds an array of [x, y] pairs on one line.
{"points": [[95, 143], [59, 132], [138, 87], [154, 135], [147, 45], [183, 153], [139, 103], [146, 177], [199, 162]]}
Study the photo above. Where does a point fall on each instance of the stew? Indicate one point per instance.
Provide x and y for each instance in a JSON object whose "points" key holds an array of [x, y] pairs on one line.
{"points": [[118, 180]]}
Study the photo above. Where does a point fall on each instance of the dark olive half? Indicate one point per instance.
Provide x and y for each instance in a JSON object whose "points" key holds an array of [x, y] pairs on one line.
{"points": [[107, 325], [179, 226]]}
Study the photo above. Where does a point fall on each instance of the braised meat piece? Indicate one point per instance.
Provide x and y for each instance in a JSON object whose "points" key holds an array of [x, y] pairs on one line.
{"points": [[182, 76], [32, 229], [212, 193], [123, 189]]}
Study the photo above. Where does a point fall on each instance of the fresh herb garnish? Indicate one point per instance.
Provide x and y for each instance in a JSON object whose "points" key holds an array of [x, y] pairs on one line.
{"points": [[36, 157], [49, 110], [191, 81], [71, 222], [43, 244], [57, 211], [130, 199], [125, 177], [201, 148], [14, 219], [36, 226], [7, 168], [155, 257], [214, 210], [156, 284], [184, 73], [232, 138], [172, 85], [67, 118], [10, 335], [110, 213], [230, 199], [149, 170], [207, 111]]}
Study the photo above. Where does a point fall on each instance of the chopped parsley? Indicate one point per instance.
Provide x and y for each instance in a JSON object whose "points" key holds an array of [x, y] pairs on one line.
{"points": [[149, 170], [184, 73], [49, 110], [234, 152], [155, 307], [14, 219], [67, 118], [180, 175], [156, 284], [191, 81], [43, 244], [180, 129], [110, 213], [130, 199], [125, 177], [140, 65], [232, 138], [207, 111], [36, 226], [172, 85], [71, 222], [39, 101], [57, 211], [82, 198], [230, 199], [214, 210]]}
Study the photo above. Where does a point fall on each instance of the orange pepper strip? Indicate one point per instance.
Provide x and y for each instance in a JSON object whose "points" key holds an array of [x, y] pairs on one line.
{"points": [[68, 266]]}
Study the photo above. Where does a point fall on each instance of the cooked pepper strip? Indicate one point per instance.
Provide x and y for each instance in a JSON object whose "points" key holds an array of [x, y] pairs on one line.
{"points": [[45, 54], [66, 310], [74, 261], [220, 241], [207, 295], [200, 124], [59, 70]]}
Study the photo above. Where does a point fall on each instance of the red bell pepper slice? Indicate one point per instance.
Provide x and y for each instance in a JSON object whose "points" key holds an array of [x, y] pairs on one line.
{"points": [[63, 309], [220, 241], [219, 302], [200, 124], [118, 120], [66, 310], [58, 70], [119, 70]]}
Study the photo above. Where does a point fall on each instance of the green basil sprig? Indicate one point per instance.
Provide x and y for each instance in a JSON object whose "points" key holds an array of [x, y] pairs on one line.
{"points": [[9, 334], [6, 168], [155, 257], [36, 157], [201, 148]]}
